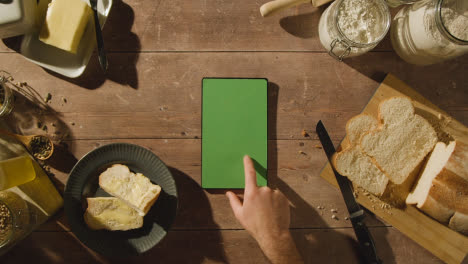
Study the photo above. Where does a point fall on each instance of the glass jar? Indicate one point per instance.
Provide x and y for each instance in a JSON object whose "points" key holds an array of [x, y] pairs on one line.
{"points": [[395, 3], [349, 28], [15, 218], [6, 97], [431, 31]]}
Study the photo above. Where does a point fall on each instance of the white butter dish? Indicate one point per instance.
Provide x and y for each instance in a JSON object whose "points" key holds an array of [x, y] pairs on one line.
{"points": [[62, 62], [17, 17]]}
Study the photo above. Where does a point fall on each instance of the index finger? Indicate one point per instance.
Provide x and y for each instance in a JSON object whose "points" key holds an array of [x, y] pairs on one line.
{"points": [[250, 174]]}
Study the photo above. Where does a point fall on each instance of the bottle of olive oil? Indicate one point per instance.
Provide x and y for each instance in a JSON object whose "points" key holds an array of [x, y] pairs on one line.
{"points": [[16, 171]]}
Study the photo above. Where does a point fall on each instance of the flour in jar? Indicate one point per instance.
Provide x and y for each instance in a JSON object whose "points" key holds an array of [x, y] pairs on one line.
{"points": [[360, 21], [353, 27], [418, 39]]}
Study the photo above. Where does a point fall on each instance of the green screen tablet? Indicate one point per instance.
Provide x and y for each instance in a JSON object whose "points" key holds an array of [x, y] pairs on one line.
{"points": [[234, 124]]}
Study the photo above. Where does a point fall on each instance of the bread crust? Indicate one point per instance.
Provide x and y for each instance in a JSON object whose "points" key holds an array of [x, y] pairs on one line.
{"points": [[145, 205], [375, 184], [447, 199], [459, 222]]}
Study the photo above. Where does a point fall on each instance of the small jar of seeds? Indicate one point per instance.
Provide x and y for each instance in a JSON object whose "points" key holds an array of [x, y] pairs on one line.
{"points": [[15, 219]]}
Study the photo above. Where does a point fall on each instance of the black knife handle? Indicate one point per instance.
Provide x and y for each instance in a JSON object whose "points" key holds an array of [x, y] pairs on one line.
{"points": [[366, 243]]}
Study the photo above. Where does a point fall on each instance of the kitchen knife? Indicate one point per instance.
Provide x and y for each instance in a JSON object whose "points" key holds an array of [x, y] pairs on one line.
{"points": [[356, 214], [100, 41]]}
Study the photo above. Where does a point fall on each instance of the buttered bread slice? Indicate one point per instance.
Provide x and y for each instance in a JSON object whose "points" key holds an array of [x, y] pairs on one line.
{"points": [[111, 213], [135, 190]]}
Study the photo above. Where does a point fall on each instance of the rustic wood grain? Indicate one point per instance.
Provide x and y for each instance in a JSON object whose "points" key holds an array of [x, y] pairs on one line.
{"points": [[167, 102], [209, 25], [294, 173], [224, 246], [158, 53], [445, 243]]}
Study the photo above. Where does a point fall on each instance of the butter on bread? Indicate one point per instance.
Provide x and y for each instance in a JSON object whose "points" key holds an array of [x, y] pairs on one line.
{"points": [[135, 190], [111, 213]]}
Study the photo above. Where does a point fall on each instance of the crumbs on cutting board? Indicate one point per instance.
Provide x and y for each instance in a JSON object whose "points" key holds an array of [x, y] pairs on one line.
{"points": [[377, 204]]}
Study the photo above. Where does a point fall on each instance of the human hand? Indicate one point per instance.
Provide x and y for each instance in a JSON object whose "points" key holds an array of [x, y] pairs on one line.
{"points": [[264, 213]]}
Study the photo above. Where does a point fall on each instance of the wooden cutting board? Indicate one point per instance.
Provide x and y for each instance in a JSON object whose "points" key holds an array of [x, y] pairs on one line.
{"points": [[443, 242]]}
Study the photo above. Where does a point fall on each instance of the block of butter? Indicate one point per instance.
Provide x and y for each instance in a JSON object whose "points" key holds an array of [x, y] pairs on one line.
{"points": [[65, 24]]}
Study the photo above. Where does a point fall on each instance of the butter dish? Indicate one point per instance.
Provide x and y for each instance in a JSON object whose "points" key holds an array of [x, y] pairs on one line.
{"points": [[16, 17], [60, 61]]}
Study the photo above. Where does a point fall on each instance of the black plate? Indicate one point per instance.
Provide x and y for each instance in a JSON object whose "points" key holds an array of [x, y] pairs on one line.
{"points": [[83, 183]]}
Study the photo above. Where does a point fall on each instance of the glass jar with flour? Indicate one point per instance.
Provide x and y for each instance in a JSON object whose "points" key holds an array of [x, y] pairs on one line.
{"points": [[395, 3], [431, 31], [350, 28]]}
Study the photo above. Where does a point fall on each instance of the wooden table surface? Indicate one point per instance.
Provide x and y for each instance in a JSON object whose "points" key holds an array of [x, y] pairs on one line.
{"points": [[158, 52]]}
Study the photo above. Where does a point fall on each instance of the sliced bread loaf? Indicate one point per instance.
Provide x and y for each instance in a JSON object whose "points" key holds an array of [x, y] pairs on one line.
{"points": [[111, 213], [135, 190], [442, 189], [402, 141], [353, 164]]}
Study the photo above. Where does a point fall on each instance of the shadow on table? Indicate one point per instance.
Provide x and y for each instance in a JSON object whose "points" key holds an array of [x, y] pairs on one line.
{"points": [[311, 245], [51, 247], [31, 115], [182, 244], [117, 36], [443, 84], [303, 25]]}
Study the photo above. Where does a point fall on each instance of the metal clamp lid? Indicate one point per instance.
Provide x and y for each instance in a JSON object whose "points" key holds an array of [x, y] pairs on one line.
{"points": [[344, 54]]}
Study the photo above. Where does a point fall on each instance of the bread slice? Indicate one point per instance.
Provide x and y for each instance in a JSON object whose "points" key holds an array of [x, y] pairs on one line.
{"points": [[459, 222], [442, 189], [135, 190], [402, 141], [111, 213], [354, 164]]}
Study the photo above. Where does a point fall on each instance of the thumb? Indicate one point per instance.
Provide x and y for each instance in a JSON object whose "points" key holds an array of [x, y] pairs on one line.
{"points": [[236, 204]]}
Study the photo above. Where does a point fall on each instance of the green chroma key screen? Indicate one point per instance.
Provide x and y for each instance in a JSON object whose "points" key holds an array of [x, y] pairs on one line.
{"points": [[234, 124]]}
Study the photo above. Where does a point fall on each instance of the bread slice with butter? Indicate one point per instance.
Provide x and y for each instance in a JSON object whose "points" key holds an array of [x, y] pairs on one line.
{"points": [[111, 213], [135, 190]]}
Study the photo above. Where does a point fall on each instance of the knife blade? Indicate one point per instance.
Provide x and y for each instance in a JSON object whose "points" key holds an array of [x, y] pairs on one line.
{"points": [[356, 214], [100, 40]]}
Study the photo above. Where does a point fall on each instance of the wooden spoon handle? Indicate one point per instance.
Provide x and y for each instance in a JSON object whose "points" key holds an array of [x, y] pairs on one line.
{"points": [[278, 5]]}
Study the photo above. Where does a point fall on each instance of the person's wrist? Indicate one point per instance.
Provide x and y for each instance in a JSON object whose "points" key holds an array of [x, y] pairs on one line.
{"points": [[274, 239]]}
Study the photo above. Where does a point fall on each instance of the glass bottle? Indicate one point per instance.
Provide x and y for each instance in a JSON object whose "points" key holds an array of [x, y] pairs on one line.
{"points": [[349, 28], [15, 219], [431, 31]]}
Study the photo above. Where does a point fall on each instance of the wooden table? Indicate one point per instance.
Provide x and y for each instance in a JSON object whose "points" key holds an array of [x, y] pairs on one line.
{"points": [[158, 53]]}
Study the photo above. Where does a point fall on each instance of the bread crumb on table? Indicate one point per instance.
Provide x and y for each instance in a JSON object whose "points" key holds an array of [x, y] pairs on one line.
{"points": [[304, 133]]}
